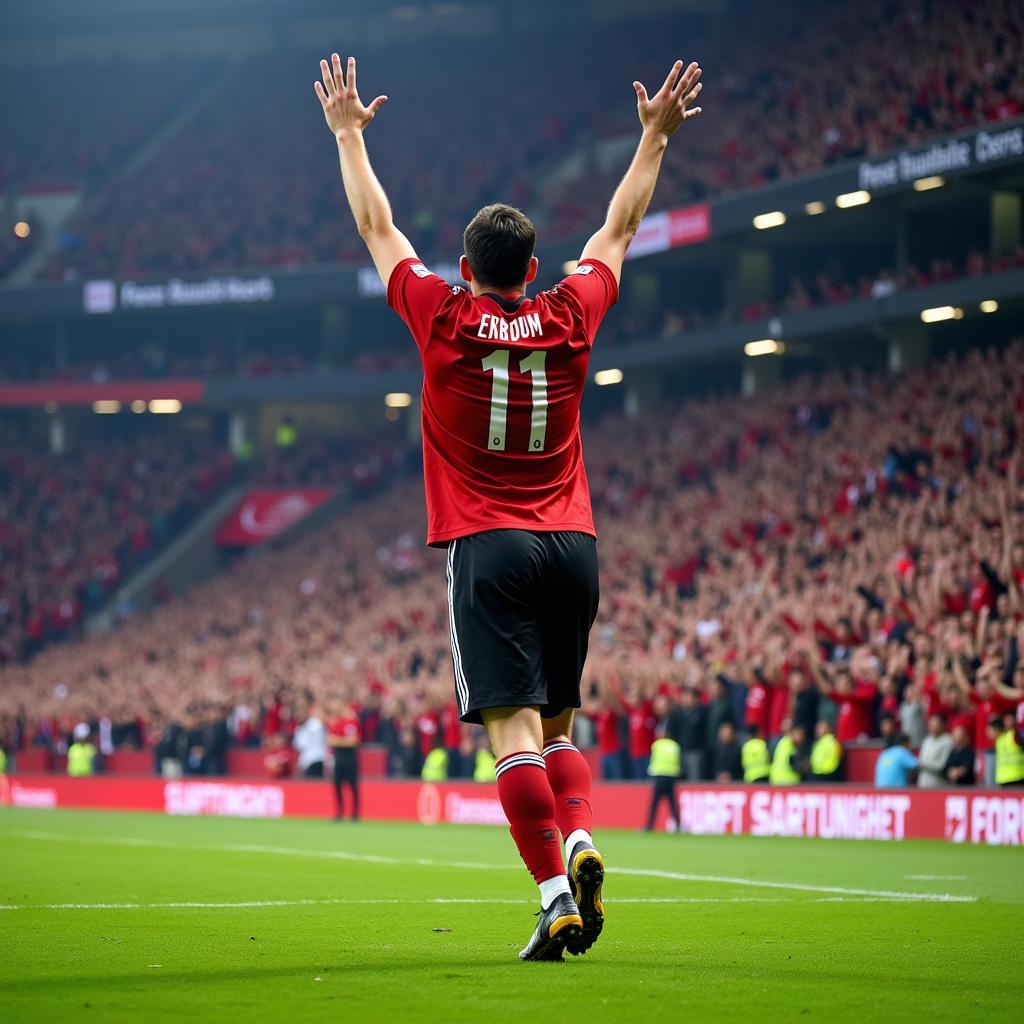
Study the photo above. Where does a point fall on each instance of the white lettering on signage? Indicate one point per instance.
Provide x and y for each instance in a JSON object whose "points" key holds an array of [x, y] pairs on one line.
{"points": [[214, 291], [707, 813], [997, 820], [32, 796], [829, 816], [462, 810], [224, 799]]}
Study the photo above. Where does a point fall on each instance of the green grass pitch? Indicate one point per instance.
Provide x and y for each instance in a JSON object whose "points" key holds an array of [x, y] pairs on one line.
{"points": [[130, 917]]}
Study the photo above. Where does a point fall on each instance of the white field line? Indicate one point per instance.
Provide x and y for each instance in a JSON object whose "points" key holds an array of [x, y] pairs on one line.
{"points": [[439, 900], [936, 878], [886, 894]]}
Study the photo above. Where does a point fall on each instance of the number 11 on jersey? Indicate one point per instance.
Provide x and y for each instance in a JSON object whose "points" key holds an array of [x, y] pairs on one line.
{"points": [[497, 364]]}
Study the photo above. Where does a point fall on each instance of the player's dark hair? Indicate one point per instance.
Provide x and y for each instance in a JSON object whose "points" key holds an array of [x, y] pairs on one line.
{"points": [[499, 242]]}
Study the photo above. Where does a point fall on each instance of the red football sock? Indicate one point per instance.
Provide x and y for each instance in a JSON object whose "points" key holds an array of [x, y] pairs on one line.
{"points": [[530, 808], [569, 779]]}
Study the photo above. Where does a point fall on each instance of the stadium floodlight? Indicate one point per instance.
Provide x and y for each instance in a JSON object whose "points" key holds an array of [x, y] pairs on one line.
{"points": [[814, 207], [988, 305], [769, 220], [106, 405], [138, 405], [848, 199], [165, 405], [22, 229], [932, 181], [939, 313], [569, 266], [764, 347], [398, 400], [604, 377]]}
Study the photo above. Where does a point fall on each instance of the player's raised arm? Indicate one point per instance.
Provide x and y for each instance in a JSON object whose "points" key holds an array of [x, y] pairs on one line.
{"points": [[660, 115], [347, 118]]}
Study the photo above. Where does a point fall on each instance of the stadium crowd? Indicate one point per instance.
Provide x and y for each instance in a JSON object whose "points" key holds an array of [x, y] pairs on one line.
{"points": [[231, 186], [62, 132], [73, 525], [762, 573]]}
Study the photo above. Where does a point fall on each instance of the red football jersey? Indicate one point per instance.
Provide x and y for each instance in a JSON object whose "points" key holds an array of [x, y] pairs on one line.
{"points": [[502, 383]]}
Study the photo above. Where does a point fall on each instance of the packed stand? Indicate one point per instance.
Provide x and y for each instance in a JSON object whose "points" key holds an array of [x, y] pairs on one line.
{"points": [[73, 525], [77, 127], [234, 186], [842, 557]]}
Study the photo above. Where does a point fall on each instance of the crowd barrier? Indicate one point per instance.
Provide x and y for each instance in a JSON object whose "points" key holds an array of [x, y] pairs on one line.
{"points": [[858, 761], [839, 812]]}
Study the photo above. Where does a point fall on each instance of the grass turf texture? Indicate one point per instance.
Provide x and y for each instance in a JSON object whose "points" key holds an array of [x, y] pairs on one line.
{"points": [[325, 950]]}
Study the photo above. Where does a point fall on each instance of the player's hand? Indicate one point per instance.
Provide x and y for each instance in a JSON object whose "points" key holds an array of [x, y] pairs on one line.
{"points": [[670, 106], [340, 100]]}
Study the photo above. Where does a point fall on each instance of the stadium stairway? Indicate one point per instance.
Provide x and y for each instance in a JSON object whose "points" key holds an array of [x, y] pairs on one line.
{"points": [[84, 199], [188, 560], [194, 557]]}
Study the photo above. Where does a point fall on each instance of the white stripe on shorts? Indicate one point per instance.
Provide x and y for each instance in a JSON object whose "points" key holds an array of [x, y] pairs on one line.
{"points": [[461, 687]]}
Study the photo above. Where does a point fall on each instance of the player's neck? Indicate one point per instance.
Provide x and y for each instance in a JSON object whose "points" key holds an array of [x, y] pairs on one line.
{"points": [[505, 293]]}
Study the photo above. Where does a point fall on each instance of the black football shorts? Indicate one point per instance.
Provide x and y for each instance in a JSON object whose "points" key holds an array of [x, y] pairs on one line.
{"points": [[520, 606]]}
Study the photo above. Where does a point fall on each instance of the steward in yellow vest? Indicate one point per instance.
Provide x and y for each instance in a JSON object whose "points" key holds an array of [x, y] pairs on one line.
{"points": [[3, 761], [664, 766], [483, 767], [666, 759], [285, 435], [435, 766], [783, 771], [81, 758], [754, 757], [1009, 755], [826, 755]]}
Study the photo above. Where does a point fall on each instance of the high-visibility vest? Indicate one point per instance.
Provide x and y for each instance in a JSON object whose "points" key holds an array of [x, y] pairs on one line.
{"points": [[1009, 759], [3, 761], [435, 766], [483, 767], [286, 435], [826, 755], [782, 773], [755, 760], [80, 758], [666, 759]]}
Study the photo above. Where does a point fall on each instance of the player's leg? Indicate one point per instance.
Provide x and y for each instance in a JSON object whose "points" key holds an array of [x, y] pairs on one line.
{"points": [[493, 589], [570, 607], [526, 799], [353, 783], [570, 779], [337, 777]]}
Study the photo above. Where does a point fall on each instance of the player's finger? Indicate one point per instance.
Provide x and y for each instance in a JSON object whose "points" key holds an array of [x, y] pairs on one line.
{"points": [[321, 95], [692, 112], [670, 81], [689, 79], [351, 76], [690, 96], [641, 92], [377, 104], [339, 78], [325, 73]]}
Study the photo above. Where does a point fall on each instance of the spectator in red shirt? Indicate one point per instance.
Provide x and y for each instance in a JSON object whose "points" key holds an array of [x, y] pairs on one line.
{"points": [[609, 740], [343, 739]]}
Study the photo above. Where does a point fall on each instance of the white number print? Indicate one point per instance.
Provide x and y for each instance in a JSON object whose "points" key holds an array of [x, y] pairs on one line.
{"points": [[533, 364]]}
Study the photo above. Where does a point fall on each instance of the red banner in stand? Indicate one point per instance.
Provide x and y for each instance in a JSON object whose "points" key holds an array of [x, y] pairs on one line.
{"points": [[995, 818], [261, 515], [669, 229]]}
